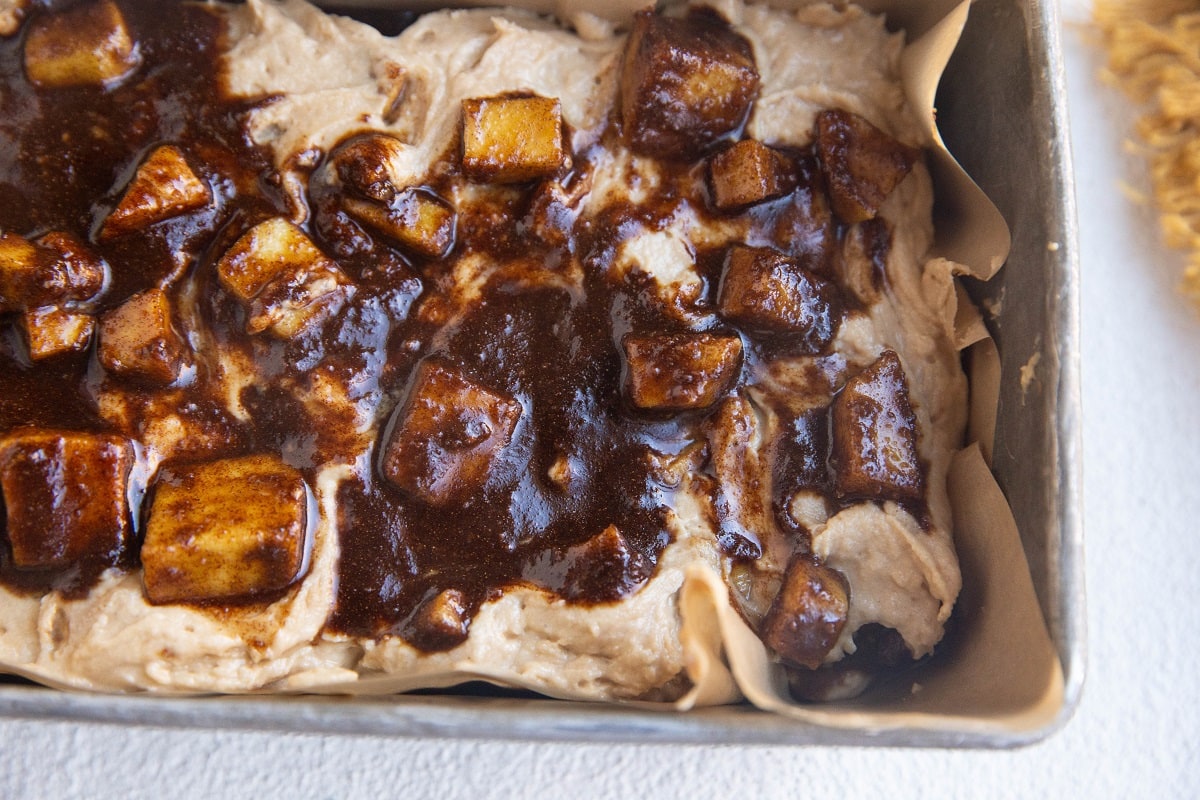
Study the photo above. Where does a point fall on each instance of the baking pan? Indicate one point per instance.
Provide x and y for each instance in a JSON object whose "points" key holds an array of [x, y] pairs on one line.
{"points": [[1001, 109]]}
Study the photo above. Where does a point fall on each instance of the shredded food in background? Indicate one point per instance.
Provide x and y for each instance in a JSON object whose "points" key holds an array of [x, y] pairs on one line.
{"points": [[1154, 56]]}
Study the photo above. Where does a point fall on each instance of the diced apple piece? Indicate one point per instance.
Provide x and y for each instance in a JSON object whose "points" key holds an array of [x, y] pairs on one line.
{"points": [[138, 339], [362, 162], [57, 268], [441, 622], [12, 14], [875, 435], [801, 464], [164, 186], [284, 280], [87, 45], [511, 139], [747, 173], [448, 435], [741, 500], [686, 83], [678, 371], [287, 308], [804, 227], [64, 494], [52, 331], [22, 263], [366, 166], [554, 207], [225, 530], [763, 290], [809, 613], [416, 220], [605, 567], [270, 249], [78, 273], [862, 164]]}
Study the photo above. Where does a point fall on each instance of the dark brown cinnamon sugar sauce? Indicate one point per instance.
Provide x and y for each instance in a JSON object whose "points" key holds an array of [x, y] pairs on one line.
{"points": [[65, 157], [551, 343]]}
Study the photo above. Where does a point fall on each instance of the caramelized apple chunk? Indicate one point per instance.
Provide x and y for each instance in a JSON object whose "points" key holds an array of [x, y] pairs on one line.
{"points": [[741, 500], [12, 14], [21, 265], [805, 228], [416, 220], [64, 495], [862, 164], [362, 165], [225, 530], [447, 437], [676, 371], [270, 249], [51, 331], [747, 173], [286, 283], [511, 139], [139, 340], [686, 83], [79, 273], [874, 444], [809, 613], [86, 45], [441, 622], [605, 566], [763, 290], [163, 187], [55, 269]]}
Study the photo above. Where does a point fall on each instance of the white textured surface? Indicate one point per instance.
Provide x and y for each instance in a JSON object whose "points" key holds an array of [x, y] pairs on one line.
{"points": [[1137, 731]]}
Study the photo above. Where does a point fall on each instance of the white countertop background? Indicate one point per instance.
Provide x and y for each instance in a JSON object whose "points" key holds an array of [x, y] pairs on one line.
{"points": [[1136, 732]]}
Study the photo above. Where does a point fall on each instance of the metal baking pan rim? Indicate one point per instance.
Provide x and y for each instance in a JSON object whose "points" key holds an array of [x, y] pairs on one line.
{"points": [[521, 719], [482, 718]]}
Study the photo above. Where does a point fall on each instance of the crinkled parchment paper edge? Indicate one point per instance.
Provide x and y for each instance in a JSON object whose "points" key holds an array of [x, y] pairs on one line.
{"points": [[1000, 670]]}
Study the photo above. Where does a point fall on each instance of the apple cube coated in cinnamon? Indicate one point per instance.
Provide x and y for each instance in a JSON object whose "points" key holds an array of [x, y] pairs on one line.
{"points": [[225, 530], [139, 340], [511, 139], [809, 613], [87, 45], [22, 264], [862, 164], [764, 290], [874, 443], [164, 186], [362, 165], [284, 280], [57, 268], [448, 435], [676, 371], [79, 273], [12, 14], [51, 331], [64, 496], [686, 83], [417, 221], [749, 172], [442, 621], [605, 566]]}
